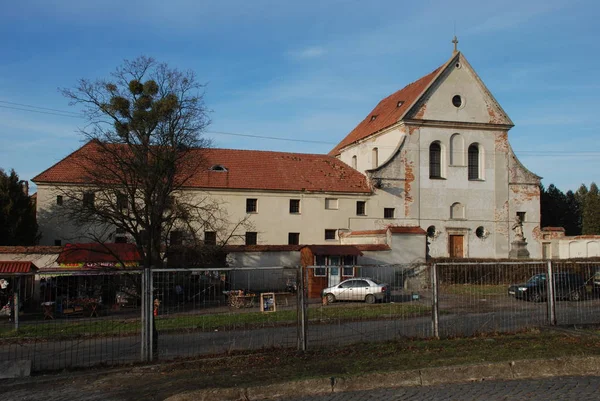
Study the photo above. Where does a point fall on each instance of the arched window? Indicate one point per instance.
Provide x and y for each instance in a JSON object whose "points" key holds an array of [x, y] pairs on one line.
{"points": [[435, 160], [457, 150], [375, 157], [474, 165], [457, 211], [354, 162]]}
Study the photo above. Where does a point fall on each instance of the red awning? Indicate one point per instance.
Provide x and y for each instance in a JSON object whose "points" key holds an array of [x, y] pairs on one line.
{"points": [[12, 267], [99, 253], [334, 250]]}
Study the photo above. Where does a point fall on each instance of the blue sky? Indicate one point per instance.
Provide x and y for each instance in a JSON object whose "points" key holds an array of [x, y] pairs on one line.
{"points": [[309, 70]]}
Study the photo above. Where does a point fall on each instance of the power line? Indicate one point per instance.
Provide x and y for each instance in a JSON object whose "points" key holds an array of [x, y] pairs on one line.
{"points": [[41, 108], [40, 112], [270, 137], [64, 113]]}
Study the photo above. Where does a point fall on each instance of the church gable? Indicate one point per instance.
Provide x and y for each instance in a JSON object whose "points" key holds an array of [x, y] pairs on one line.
{"points": [[459, 95]]}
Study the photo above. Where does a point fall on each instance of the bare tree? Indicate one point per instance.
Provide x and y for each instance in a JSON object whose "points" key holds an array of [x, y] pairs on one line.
{"points": [[145, 126]]}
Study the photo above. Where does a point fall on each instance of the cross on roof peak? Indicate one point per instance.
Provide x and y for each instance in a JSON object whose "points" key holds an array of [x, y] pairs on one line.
{"points": [[455, 41]]}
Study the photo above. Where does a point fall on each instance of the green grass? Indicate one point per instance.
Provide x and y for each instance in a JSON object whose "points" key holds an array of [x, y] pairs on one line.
{"points": [[283, 365], [58, 329], [475, 290]]}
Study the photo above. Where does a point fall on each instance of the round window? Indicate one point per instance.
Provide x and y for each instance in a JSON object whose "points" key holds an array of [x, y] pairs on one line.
{"points": [[480, 232], [457, 101], [431, 231]]}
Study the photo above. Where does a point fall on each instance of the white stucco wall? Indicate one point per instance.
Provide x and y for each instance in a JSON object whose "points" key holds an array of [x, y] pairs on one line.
{"points": [[385, 142]]}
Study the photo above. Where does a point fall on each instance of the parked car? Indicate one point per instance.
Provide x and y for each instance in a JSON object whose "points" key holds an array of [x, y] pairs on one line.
{"points": [[569, 286], [358, 289]]}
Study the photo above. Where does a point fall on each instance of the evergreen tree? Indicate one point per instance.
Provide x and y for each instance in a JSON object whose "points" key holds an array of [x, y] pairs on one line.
{"points": [[591, 211], [572, 219], [18, 225], [553, 206]]}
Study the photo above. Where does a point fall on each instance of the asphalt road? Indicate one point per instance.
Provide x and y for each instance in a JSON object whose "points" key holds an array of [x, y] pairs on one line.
{"points": [[556, 388]]}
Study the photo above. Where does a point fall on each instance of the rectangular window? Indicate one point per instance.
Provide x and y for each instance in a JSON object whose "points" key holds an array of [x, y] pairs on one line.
{"points": [[88, 200], [251, 205], [170, 202], [176, 238], [521, 216], [120, 240], [57, 242], [251, 238], [320, 260], [143, 235], [331, 203], [348, 272], [294, 206], [210, 238], [293, 238], [59, 200], [361, 208], [121, 201], [388, 213], [329, 234]]}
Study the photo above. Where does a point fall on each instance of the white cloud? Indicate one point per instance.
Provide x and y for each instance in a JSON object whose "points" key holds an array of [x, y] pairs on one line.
{"points": [[307, 53]]}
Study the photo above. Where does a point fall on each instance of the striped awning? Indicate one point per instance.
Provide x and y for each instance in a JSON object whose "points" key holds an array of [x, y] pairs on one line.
{"points": [[13, 267]]}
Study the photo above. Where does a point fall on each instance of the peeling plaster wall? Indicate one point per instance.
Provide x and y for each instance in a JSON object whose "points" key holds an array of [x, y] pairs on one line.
{"points": [[524, 196], [386, 143]]}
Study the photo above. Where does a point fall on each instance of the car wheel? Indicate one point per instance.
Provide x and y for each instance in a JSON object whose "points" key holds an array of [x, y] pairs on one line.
{"points": [[370, 299], [536, 297], [575, 296], [330, 298]]}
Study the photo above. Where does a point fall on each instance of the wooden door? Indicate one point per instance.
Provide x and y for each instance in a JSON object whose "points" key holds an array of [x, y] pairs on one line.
{"points": [[456, 246]]}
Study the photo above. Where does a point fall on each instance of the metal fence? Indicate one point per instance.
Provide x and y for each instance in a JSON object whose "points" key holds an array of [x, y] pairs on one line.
{"points": [[89, 318]]}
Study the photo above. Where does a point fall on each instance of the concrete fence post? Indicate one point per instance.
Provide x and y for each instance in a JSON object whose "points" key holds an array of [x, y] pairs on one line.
{"points": [[435, 313], [550, 295], [301, 310]]}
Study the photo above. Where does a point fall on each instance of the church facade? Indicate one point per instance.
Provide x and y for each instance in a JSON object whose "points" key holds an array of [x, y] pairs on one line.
{"points": [[431, 160], [440, 147]]}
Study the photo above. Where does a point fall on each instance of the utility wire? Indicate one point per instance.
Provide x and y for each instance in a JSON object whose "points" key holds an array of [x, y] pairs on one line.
{"points": [[64, 113], [41, 108]]}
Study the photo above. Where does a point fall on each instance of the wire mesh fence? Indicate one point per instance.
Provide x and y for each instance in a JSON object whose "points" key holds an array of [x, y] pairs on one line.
{"points": [[87, 318], [68, 319], [375, 304], [204, 312]]}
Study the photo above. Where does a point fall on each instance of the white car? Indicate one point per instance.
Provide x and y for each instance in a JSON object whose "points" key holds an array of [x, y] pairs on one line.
{"points": [[358, 289]]}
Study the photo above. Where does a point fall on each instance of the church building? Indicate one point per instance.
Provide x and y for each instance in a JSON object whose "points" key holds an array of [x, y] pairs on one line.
{"points": [[431, 160]]}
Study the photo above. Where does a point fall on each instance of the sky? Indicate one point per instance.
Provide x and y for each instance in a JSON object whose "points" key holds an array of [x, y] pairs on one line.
{"points": [[307, 72]]}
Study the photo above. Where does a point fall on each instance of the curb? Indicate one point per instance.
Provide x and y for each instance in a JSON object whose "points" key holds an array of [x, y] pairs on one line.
{"points": [[514, 370]]}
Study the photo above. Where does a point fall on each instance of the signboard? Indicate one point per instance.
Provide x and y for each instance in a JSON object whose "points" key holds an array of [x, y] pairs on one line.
{"points": [[267, 302]]}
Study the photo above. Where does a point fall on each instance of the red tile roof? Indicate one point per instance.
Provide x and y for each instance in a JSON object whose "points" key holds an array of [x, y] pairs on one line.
{"points": [[99, 253], [12, 267], [31, 249], [246, 169], [407, 230], [367, 232], [387, 112], [335, 250], [372, 247], [262, 248], [558, 229]]}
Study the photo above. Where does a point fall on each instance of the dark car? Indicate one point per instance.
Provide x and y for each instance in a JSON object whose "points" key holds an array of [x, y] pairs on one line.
{"points": [[566, 286]]}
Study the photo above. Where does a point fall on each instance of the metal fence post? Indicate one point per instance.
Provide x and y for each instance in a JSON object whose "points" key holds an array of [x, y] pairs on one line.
{"points": [[550, 295], [147, 318], [435, 322], [16, 301], [302, 321]]}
